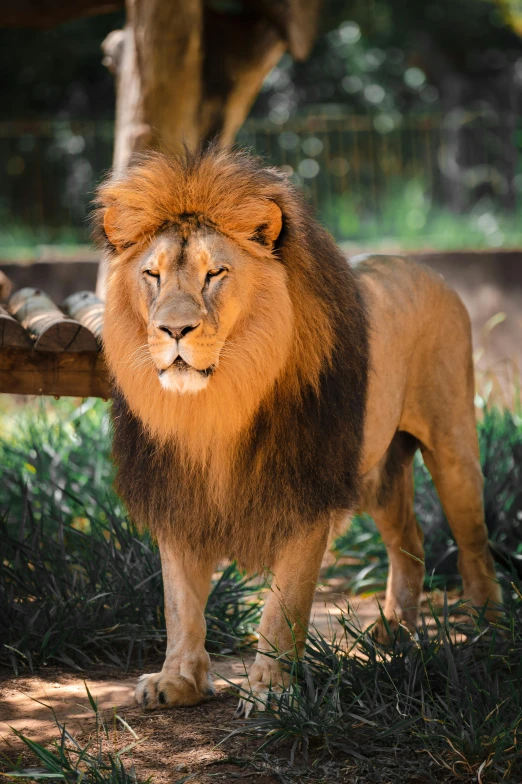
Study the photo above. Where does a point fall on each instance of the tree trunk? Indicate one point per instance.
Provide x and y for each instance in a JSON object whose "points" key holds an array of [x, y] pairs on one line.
{"points": [[187, 73], [158, 85]]}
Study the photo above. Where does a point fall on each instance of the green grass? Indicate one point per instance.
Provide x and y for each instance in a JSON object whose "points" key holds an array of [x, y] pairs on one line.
{"points": [[437, 708], [445, 706], [78, 583], [20, 243]]}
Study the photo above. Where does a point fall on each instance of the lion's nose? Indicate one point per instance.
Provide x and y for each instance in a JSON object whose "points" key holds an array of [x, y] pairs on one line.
{"points": [[177, 332]]}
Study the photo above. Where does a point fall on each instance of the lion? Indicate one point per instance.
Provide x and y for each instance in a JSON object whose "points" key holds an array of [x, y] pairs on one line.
{"points": [[265, 390]]}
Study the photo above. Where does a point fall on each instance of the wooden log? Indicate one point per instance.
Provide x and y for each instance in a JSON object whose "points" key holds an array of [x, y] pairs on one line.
{"points": [[12, 334], [86, 308], [27, 372], [51, 329], [6, 287], [45, 14]]}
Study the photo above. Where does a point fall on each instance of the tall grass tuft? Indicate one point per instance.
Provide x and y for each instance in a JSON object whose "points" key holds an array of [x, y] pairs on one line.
{"points": [[77, 582], [446, 702]]}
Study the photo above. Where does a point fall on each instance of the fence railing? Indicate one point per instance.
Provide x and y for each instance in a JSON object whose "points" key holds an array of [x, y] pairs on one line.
{"points": [[51, 168]]}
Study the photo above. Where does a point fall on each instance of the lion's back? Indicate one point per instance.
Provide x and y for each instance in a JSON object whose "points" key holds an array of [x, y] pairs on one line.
{"points": [[420, 344], [412, 297]]}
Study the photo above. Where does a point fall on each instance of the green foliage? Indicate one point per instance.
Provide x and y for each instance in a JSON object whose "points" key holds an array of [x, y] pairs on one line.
{"points": [[232, 612], [388, 58], [53, 453], [21, 243], [447, 703], [66, 759], [77, 582], [407, 218]]}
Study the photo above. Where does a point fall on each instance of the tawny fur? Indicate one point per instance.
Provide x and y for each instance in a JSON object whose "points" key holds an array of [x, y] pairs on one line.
{"points": [[317, 386], [304, 322]]}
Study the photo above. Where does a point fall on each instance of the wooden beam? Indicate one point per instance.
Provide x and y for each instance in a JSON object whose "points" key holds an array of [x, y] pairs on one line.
{"points": [[44, 352], [49, 13], [49, 327], [6, 287], [29, 372]]}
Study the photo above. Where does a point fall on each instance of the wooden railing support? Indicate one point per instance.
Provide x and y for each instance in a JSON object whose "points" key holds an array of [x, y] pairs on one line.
{"points": [[46, 351]]}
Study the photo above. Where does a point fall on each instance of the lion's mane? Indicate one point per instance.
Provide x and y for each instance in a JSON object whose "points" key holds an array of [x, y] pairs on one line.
{"points": [[292, 450]]}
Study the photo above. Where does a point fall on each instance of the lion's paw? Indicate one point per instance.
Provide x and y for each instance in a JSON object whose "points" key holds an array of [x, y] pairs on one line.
{"points": [[166, 690], [264, 681], [393, 630]]}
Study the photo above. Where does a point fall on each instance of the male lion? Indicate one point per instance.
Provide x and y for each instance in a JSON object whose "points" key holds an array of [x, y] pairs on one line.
{"points": [[264, 390]]}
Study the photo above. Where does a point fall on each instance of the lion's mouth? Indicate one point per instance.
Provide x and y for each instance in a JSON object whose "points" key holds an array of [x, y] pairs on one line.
{"points": [[181, 366]]}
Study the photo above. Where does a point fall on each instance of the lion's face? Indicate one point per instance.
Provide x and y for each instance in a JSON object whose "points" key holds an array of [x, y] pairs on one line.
{"points": [[212, 291], [199, 293], [192, 290]]}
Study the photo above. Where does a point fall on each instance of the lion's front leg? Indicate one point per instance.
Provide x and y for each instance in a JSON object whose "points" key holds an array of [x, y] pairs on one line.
{"points": [[284, 624], [184, 678]]}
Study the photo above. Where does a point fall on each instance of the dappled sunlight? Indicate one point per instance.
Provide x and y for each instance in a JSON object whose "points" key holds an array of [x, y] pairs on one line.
{"points": [[25, 701]]}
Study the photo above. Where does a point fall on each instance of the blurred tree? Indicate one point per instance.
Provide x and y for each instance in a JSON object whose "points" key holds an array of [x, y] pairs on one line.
{"points": [[462, 58], [190, 70], [185, 69]]}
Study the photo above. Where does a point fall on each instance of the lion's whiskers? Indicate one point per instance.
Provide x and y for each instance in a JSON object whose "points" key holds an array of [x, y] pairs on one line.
{"points": [[140, 357]]}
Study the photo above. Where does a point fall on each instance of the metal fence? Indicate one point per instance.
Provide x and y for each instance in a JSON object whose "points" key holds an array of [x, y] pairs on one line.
{"points": [[330, 156], [51, 168]]}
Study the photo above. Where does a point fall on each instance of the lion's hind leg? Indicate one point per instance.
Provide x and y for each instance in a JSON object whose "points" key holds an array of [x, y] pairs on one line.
{"points": [[439, 410], [455, 468], [391, 506]]}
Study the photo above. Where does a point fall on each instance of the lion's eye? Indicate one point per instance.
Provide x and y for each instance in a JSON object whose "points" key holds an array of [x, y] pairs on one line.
{"points": [[151, 273], [213, 273]]}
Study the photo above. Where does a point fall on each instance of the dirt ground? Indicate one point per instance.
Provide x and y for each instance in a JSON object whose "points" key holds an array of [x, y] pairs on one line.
{"points": [[174, 744]]}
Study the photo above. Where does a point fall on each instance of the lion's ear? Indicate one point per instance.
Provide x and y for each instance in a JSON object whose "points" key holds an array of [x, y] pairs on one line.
{"points": [[110, 227], [268, 232], [275, 221]]}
